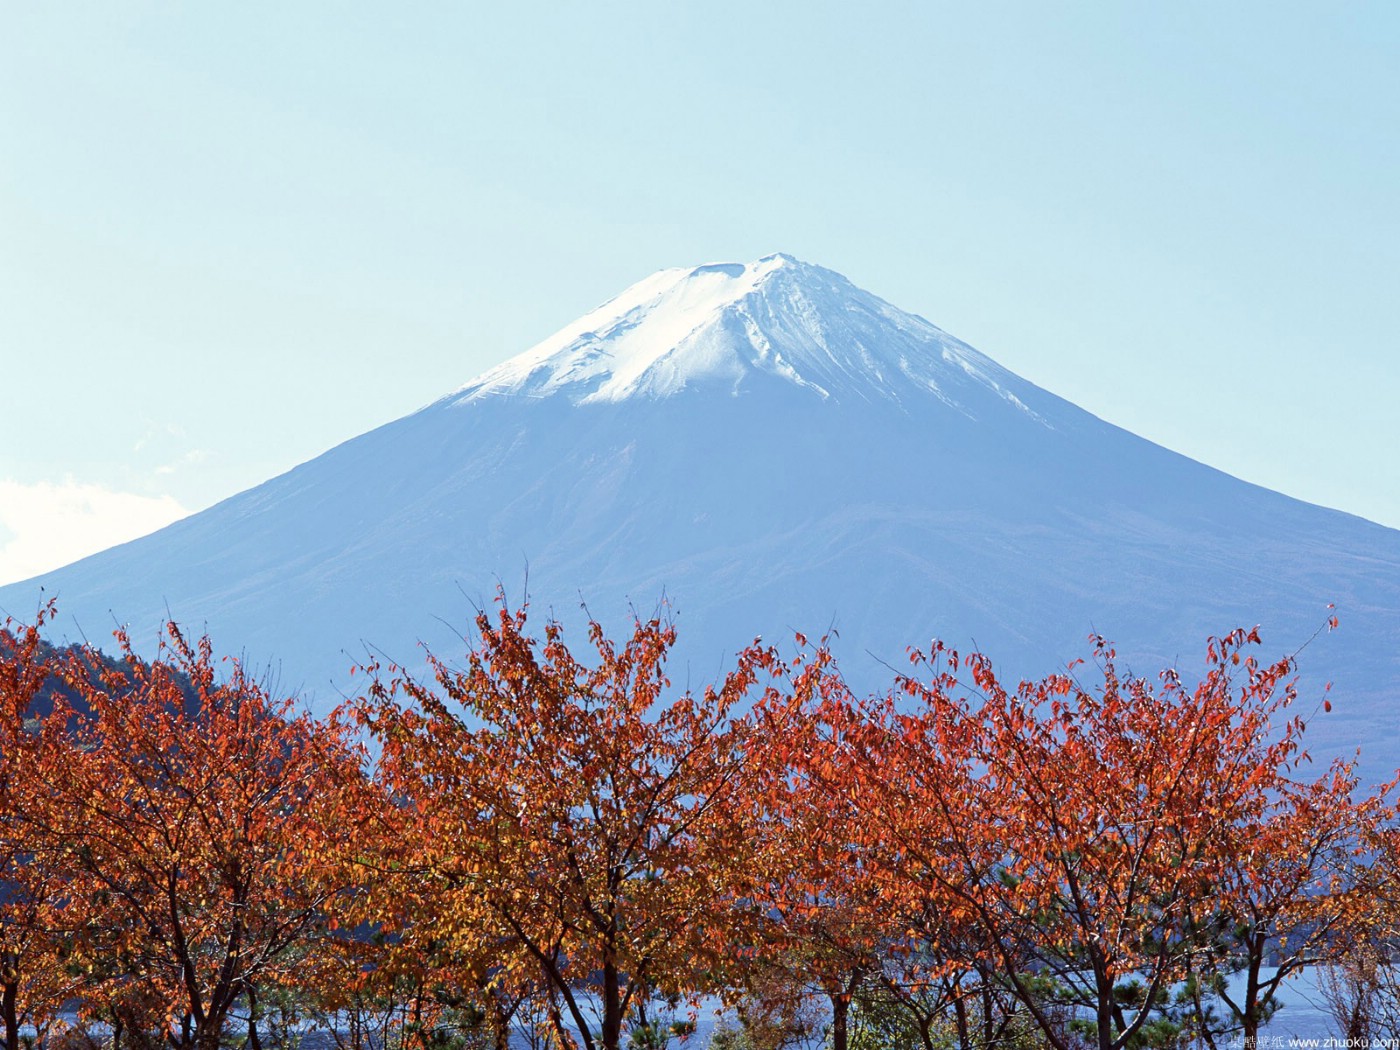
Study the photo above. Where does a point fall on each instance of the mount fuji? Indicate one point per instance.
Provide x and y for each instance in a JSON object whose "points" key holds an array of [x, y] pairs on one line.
{"points": [[767, 448]]}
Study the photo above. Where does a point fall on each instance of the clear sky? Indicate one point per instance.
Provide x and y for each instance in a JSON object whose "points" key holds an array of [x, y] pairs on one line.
{"points": [[234, 235]]}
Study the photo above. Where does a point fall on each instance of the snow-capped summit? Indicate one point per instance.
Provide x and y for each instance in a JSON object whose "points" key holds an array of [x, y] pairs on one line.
{"points": [[734, 325], [771, 449]]}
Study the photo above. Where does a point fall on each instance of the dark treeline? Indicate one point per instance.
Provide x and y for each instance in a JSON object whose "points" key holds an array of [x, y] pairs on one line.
{"points": [[541, 846]]}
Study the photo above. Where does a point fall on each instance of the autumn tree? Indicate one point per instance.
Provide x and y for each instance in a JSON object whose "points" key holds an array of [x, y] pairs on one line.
{"points": [[410, 956], [1293, 884], [33, 983], [844, 808], [196, 814], [920, 816], [569, 813], [1360, 982], [1081, 826], [365, 989]]}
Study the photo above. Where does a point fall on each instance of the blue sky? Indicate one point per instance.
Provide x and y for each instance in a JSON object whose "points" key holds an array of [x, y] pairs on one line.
{"points": [[232, 236]]}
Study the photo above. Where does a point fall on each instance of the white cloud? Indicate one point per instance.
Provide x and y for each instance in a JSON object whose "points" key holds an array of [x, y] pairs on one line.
{"points": [[47, 525]]}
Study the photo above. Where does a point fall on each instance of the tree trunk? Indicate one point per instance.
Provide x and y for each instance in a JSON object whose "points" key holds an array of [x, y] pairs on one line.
{"points": [[1249, 1023], [254, 1042], [612, 1005], [9, 1004], [960, 1013], [1103, 1015], [210, 1035], [840, 1012]]}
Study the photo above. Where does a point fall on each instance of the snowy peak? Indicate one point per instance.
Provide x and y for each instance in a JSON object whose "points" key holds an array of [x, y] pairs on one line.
{"points": [[738, 325]]}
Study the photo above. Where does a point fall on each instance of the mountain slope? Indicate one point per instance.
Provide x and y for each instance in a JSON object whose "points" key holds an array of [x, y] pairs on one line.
{"points": [[772, 449]]}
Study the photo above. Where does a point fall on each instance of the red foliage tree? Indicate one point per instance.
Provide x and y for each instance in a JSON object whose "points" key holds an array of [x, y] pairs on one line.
{"points": [[33, 983], [811, 903], [197, 818], [568, 816], [1081, 828]]}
